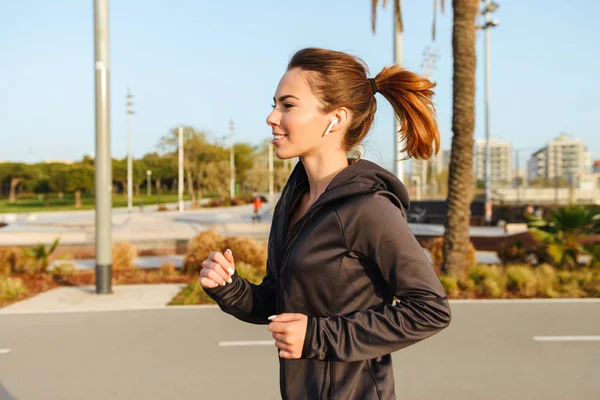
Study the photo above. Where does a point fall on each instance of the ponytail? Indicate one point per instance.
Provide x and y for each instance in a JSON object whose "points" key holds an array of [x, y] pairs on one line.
{"points": [[410, 96]]}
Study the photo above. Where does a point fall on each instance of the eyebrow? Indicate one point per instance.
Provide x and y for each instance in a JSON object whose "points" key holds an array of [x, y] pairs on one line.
{"points": [[282, 98]]}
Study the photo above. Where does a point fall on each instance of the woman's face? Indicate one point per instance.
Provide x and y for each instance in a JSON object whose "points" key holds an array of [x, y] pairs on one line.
{"points": [[297, 122]]}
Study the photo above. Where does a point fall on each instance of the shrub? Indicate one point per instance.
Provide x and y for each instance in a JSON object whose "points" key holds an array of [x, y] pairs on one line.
{"points": [[193, 293], [546, 281], [247, 250], [251, 273], [450, 285], [11, 288], [512, 252], [435, 248], [162, 207], [41, 255], [63, 269], [123, 256], [199, 249], [486, 280], [521, 280], [167, 269]]}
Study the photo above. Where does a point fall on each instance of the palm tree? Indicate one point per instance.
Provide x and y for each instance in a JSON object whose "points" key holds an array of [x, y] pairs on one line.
{"points": [[460, 179], [564, 232]]}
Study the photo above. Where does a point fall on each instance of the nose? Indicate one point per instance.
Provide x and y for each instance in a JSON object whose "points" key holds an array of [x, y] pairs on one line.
{"points": [[273, 118]]}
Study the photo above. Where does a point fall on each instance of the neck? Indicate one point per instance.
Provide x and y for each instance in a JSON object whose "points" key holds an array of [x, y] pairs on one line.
{"points": [[321, 169]]}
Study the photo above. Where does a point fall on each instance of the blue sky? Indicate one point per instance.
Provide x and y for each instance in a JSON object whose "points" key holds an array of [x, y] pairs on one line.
{"points": [[203, 63]]}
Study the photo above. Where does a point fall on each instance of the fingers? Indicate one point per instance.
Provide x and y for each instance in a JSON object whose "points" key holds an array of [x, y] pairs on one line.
{"points": [[278, 327], [219, 271], [224, 262], [285, 317], [208, 283]]}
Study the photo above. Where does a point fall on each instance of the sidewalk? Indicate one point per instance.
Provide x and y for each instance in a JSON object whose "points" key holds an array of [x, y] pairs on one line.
{"points": [[84, 299]]}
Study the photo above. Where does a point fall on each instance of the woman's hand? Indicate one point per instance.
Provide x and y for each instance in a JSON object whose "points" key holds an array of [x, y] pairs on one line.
{"points": [[217, 269], [289, 331]]}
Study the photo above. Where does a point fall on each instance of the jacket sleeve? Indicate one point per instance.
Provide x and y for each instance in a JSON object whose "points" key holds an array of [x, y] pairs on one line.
{"points": [[246, 301], [381, 236]]}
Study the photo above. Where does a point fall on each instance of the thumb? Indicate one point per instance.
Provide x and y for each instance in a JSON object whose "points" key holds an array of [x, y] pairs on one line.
{"points": [[285, 317]]}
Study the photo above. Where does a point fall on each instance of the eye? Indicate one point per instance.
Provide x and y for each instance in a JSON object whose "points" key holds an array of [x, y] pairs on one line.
{"points": [[288, 105], [272, 105]]}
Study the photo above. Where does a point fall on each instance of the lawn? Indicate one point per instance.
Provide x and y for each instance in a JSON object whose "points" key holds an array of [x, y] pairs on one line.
{"points": [[32, 203]]}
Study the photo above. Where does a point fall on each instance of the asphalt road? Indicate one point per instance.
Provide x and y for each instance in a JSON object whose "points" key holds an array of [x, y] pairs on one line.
{"points": [[488, 352]]}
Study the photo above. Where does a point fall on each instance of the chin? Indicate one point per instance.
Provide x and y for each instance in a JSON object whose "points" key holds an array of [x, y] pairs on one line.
{"points": [[284, 154]]}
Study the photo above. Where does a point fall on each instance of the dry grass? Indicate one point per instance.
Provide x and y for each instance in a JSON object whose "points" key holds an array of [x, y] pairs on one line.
{"points": [[247, 250], [167, 269], [199, 249], [123, 256], [12, 260], [11, 288]]}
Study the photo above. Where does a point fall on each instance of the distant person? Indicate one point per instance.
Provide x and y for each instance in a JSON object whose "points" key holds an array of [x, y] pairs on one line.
{"points": [[257, 206], [340, 248]]}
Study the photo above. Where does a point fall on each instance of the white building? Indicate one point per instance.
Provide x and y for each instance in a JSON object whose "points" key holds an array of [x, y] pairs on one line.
{"points": [[563, 157], [500, 161]]}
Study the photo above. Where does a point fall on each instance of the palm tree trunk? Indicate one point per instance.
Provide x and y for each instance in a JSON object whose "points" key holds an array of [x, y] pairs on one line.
{"points": [[460, 179], [12, 197], [158, 186]]}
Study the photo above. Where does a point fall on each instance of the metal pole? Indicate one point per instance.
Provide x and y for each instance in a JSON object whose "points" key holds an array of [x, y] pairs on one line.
{"points": [[271, 170], [129, 155], [488, 169], [518, 179], [398, 156], [103, 171], [180, 179], [148, 188], [231, 163]]}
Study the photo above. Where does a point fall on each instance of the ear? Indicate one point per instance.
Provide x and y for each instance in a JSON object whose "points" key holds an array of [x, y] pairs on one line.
{"points": [[342, 115]]}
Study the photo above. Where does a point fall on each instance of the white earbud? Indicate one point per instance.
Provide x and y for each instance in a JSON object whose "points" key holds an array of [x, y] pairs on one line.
{"points": [[333, 122]]}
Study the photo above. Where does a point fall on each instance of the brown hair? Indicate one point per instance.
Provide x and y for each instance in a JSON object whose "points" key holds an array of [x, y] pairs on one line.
{"points": [[341, 80]]}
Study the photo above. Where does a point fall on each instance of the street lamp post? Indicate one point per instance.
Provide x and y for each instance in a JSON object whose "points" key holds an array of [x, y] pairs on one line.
{"points": [[489, 7], [103, 167], [148, 185], [129, 155], [180, 175], [231, 162]]}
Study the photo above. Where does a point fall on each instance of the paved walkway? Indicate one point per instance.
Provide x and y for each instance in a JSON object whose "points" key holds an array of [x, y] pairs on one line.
{"points": [[84, 298]]}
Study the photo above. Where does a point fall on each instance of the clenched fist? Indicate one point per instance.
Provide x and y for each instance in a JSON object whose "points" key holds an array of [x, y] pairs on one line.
{"points": [[217, 269], [289, 331]]}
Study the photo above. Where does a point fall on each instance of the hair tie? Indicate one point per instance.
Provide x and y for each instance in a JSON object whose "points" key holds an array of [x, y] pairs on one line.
{"points": [[373, 85]]}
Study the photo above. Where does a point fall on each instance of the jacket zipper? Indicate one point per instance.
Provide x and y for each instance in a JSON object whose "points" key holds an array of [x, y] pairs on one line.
{"points": [[331, 379], [300, 224]]}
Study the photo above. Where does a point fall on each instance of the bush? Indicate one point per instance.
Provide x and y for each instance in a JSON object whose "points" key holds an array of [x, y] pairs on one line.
{"points": [[11, 260], [546, 281], [252, 273], [193, 293], [162, 207], [123, 256], [199, 249], [247, 250], [63, 269], [522, 280], [512, 252], [11, 288], [435, 248], [489, 281], [167, 269], [450, 285]]}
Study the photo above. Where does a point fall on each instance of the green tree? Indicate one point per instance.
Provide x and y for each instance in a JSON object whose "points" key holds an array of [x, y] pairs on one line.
{"points": [[79, 178], [460, 180], [164, 169], [14, 174]]}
